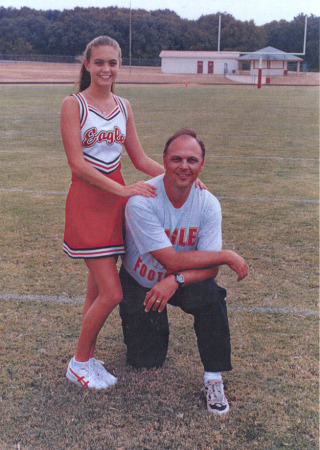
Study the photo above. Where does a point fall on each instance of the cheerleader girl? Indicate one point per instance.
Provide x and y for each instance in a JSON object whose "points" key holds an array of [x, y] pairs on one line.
{"points": [[95, 126]]}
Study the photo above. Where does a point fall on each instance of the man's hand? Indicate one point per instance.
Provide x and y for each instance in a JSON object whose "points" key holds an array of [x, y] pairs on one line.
{"points": [[237, 263], [160, 294]]}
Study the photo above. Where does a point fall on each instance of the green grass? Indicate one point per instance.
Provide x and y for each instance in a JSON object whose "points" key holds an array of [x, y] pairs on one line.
{"points": [[262, 147]]}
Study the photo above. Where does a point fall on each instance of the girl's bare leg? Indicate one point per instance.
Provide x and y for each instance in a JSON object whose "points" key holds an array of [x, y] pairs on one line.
{"points": [[92, 294], [105, 281]]}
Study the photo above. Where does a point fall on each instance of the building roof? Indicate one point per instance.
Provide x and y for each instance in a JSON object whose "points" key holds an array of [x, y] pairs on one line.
{"points": [[270, 53], [198, 54]]}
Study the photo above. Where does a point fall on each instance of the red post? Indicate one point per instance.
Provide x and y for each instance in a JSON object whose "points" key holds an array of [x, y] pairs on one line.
{"points": [[260, 73], [259, 78]]}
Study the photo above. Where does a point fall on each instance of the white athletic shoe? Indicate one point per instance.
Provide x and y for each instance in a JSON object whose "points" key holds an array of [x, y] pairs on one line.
{"points": [[216, 400], [85, 376], [101, 372]]}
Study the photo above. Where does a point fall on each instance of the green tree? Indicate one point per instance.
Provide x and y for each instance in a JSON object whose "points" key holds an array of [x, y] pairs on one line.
{"points": [[67, 32]]}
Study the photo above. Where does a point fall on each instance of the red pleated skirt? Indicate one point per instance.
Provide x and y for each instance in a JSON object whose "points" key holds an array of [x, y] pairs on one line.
{"points": [[94, 220]]}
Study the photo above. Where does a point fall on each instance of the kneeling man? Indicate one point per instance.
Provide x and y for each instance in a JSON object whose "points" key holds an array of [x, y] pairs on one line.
{"points": [[173, 251]]}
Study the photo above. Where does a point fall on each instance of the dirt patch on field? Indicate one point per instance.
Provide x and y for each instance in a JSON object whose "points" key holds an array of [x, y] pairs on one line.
{"points": [[31, 72]]}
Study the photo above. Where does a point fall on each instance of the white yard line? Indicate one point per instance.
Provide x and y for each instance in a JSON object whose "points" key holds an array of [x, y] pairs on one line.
{"points": [[80, 300], [257, 199], [270, 158]]}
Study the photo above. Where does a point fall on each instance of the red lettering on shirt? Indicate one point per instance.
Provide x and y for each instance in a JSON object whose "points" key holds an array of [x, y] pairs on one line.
{"points": [[160, 275], [182, 237], [174, 236], [91, 136], [192, 236], [118, 136], [137, 264], [151, 275], [143, 271]]}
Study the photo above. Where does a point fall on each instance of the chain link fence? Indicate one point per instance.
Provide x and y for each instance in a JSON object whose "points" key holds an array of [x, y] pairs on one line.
{"points": [[73, 59]]}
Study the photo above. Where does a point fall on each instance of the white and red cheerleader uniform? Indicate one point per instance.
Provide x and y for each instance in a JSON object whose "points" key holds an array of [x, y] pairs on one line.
{"points": [[93, 218]]}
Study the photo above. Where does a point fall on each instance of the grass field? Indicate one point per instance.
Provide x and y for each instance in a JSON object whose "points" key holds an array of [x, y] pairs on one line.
{"points": [[262, 163]]}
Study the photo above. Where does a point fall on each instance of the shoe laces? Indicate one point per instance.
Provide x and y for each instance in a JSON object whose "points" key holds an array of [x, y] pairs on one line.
{"points": [[215, 391], [90, 372], [95, 365], [101, 372]]}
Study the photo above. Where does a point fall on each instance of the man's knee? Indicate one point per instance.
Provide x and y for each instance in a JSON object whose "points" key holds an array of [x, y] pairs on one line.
{"points": [[146, 336], [202, 295]]}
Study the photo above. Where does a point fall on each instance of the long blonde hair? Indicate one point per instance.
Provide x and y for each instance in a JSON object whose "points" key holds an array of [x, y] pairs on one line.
{"points": [[85, 78]]}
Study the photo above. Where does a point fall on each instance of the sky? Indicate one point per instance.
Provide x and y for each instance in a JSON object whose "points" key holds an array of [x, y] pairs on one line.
{"points": [[260, 11]]}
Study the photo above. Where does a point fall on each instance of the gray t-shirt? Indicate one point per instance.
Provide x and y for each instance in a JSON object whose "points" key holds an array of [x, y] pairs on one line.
{"points": [[153, 224]]}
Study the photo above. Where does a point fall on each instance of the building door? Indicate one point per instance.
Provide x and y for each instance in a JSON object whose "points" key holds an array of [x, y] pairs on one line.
{"points": [[210, 66], [200, 67]]}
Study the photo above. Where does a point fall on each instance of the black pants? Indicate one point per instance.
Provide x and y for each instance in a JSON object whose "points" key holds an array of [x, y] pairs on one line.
{"points": [[146, 335]]}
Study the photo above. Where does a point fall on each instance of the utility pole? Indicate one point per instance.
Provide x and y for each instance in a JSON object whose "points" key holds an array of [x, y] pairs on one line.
{"points": [[219, 33]]}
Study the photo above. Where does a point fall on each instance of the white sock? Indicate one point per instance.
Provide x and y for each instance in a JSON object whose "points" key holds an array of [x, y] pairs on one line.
{"points": [[78, 364], [212, 376]]}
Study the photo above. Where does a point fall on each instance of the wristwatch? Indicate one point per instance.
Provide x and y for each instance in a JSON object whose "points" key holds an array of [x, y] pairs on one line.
{"points": [[179, 279]]}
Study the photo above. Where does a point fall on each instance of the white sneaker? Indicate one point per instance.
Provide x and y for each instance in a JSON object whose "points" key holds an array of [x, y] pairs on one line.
{"points": [[216, 400], [101, 372], [84, 376]]}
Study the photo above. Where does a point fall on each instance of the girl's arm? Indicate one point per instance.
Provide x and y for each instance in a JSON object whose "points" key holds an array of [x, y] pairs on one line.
{"points": [[134, 149], [71, 138]]}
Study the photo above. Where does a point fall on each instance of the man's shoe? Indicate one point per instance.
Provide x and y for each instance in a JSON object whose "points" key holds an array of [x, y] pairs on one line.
{"points": [[84, 376], [216, 400], [101, 372]]}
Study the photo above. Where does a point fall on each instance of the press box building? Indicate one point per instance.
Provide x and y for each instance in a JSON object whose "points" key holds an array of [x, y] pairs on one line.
{"points": [[273, 61], [218, 63]]}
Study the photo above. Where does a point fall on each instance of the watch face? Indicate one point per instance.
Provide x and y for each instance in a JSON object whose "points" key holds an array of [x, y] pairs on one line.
{"points": [[180, 278]]}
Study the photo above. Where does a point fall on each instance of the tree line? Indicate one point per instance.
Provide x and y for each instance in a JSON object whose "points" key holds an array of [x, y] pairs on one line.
{"points": [[53, 32]]}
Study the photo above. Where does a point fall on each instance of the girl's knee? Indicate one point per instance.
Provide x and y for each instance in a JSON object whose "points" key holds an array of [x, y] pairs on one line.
{"points": [[115, 298], [110, 300]]}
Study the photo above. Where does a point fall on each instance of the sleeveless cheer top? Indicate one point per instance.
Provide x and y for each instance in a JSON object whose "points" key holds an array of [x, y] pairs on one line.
{"points": [[102, 136]]}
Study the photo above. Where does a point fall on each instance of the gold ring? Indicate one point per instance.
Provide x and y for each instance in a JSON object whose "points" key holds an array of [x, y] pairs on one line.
{"points": [[158, 301]]}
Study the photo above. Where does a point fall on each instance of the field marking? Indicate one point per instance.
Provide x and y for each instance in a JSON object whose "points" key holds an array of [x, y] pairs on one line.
{"points": [[31, 191], [80, 300], [271, 158], [255, 199], [267, 199], [275, 158]]}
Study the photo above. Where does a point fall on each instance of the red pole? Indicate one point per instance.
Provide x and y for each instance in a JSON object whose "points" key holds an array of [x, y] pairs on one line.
{"points": [[260, 73], [259, 78]]}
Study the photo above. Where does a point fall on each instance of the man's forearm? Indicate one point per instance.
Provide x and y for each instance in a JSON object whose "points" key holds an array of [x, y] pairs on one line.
{"points": [[197, 275], [196, 259]]}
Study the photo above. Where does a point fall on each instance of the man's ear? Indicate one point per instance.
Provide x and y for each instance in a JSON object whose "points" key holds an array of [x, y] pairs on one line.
{"points": [[164, 162]]}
